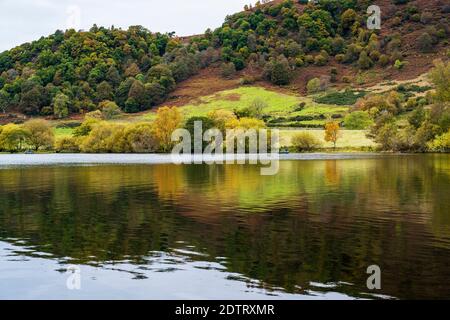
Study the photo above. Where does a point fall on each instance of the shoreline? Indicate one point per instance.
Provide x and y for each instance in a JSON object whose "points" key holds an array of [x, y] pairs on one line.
{"points": [[8, 160]]}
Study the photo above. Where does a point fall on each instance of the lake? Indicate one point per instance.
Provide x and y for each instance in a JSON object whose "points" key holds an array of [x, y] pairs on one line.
{"points": [[135, 227]]}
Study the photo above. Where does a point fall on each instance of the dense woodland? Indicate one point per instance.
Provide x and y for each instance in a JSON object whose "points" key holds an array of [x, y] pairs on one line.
{"points": [[73, 72]]}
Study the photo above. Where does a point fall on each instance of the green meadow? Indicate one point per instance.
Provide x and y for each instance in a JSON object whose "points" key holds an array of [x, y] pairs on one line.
{"points": [[283, 110]]}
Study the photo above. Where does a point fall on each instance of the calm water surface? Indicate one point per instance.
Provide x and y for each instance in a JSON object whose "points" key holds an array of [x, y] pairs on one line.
{"points": [[161, 231]]}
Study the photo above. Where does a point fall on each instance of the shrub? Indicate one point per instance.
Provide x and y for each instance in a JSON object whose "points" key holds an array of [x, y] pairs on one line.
{"points": [[347, 97], [309, 59], [46, 111], [109, 109], [364, 61], [137, 138], [340, 57], [375, 55], [440, 143], [67, 145], [247, 80], [384, 60], [86, 127], [425, 42], [358, 120], [313, 85], [228, 70], [396, 21], [415, 17], [333, 74], [305, 141], [399, 64], [320, 60], [426, 17], [101, 139]]}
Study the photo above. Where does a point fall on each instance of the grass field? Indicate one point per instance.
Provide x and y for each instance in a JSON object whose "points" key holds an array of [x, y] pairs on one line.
{"points": [[63, 132], [282, 109], [348, 138]]}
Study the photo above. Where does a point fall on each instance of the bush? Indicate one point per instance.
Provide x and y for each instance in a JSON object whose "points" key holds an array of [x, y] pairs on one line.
{"points": [[347, 97], [228, 70], [46, 111], [320, 60], [364, 61], [109, 109], [313, 85], [101, 139], [67, 145], [137, 138], [358, 120], [399, 64], [425, 42], [440, 143], [247, 80], [426, 17], [340, 57], [384, 60], [86, 127], [305, 141], [396, 21]]}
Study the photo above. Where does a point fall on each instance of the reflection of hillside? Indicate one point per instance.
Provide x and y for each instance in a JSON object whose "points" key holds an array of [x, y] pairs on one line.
{"points": [[315, 220]]}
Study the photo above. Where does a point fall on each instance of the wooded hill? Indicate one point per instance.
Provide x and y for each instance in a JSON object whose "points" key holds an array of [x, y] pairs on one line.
{"points": [[281, 42]]}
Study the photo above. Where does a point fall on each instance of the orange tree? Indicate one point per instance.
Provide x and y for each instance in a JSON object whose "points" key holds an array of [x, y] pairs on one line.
{"points": [[332, 131]]}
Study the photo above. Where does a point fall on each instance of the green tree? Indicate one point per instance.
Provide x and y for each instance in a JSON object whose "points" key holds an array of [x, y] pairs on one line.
{"points": [[278, 71], [358, 120], [104, 92], [61, 105], [440, 76]]}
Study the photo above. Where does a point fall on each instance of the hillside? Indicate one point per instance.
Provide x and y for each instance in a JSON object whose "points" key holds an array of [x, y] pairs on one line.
{"points": [[281, 43]]}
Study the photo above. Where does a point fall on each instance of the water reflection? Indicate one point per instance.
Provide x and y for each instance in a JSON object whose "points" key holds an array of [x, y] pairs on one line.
{"points": [[313, 229]]}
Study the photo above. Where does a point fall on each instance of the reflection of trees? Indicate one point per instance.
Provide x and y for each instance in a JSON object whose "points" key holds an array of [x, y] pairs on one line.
{"points": [[315, 221]]}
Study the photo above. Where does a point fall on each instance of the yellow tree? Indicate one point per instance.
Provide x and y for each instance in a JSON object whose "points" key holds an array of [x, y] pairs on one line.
{"points": [[41, 134], [166, 122], [332, 131]]}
